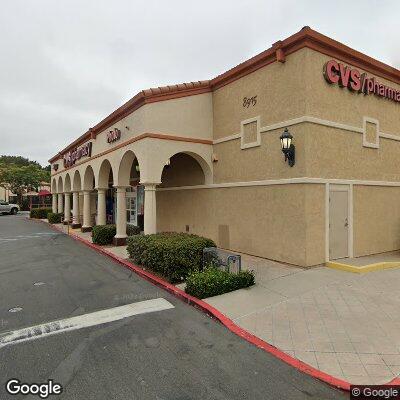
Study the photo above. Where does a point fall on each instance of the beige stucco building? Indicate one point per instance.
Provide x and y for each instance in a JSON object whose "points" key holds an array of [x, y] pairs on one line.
{"points": [[205, 157], [4, 194]]}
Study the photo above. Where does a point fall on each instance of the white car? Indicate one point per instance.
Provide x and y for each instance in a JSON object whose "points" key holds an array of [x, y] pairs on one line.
{"points": [[8, 208]]}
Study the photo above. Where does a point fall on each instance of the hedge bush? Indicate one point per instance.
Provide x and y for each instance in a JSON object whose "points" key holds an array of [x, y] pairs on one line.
{"points": [[213, 281], [40, 213], [103, 234], [132, 230], [55, 218], [174, 255]]}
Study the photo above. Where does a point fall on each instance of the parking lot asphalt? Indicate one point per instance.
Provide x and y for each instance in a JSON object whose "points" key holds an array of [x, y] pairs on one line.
{"points": [[175, 353]]}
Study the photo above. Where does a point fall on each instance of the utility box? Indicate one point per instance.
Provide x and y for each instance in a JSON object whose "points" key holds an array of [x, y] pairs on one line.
{"points": [[222, 259]]}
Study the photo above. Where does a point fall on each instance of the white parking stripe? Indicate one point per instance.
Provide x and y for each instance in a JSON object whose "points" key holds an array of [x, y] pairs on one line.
{"points": [[83, 321], [23, 237]]}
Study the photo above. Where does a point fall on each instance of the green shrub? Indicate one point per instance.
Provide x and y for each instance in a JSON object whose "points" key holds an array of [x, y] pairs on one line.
{"points": [[55, 218], [103, 234], [132, 230], [40, 213], [213, 281], [174, 255]]}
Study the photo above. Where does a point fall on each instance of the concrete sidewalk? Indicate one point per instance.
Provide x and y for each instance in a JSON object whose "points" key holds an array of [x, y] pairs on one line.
{"points": [[390, 256], [119, 251], [344, 324]]}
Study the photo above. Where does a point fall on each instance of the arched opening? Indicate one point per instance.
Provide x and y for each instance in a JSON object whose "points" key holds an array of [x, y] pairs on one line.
{"points": [[183, 210], [67, 199], [67, 183], [60, 185], [88, 179], [182, 169], [77, 185], [60, 197], [105, 180], [129, 176], [54, 186], [88, 185], [129, 169]]}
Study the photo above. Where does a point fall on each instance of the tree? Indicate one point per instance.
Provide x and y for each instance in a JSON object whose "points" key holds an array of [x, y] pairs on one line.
{"points": [[17, 160], [19, 178], [19, 174]]}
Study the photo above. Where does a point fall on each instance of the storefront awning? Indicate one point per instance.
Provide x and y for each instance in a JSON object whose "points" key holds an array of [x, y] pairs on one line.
{"points": [[30, 194]]}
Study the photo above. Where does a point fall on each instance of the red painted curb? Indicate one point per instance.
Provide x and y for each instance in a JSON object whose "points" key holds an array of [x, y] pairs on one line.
{"points": [[299, 365]]}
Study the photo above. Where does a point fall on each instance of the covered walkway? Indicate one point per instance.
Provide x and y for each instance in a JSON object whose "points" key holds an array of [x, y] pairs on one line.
{"points": [[120, 187]]}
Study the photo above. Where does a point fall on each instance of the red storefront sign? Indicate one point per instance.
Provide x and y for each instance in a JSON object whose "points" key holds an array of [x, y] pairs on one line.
{"points": [[72, 156], [113, 136], [352, 79]]}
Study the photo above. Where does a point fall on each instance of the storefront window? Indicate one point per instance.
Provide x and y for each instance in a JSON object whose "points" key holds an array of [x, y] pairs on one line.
{"points": [[131, 205], [110, 205], [140, 200]]}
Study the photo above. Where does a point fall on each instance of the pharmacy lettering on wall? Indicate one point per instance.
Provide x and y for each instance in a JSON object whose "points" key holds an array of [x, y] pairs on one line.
{"points": [[355, 81], [113, 136], [73, 156]]}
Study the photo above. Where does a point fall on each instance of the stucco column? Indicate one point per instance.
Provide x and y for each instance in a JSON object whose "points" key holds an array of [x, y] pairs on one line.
{"points": [[60, 204], [87, 223], [54, 203], [101, 207], [80, 203], [75, 210], [150, 210], [67, 208], [120, 237]]}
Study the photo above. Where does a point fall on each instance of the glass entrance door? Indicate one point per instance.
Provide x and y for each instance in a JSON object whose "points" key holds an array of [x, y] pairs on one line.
{"points": [[131, 206]]}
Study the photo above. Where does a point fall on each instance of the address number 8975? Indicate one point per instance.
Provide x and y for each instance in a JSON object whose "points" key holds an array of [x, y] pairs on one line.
{"points": [[249, 101]]}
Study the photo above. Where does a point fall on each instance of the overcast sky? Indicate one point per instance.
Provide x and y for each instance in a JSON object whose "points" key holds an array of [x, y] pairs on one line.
{"points": [[67, 64]]}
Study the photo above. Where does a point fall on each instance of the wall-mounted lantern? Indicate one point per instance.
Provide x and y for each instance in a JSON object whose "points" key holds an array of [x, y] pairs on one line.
{"points": [[288, 148], [137, 168], [168, 163]]}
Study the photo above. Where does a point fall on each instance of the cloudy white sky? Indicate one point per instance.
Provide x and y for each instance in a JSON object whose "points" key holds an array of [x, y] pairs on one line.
{"points": [[66, 64]]}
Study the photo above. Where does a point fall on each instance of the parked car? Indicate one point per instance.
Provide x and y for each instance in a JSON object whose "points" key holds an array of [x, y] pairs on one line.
{"points": [[8, 208]]}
